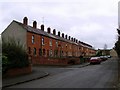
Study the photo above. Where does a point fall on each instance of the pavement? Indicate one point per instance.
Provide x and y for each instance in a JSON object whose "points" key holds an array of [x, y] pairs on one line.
{"points": [[36, 74], [118, 83], [79, 66]]}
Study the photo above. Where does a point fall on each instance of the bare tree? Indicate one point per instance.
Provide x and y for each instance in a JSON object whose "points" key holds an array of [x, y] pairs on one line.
{"points": [[105, 46], [105, 49]]}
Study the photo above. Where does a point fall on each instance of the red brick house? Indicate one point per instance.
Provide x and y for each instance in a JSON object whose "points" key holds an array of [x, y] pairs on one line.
{"points": [[46, 47]]}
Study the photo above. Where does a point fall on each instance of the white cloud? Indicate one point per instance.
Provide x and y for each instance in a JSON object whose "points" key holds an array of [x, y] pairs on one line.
{"points": [[92, 21]]}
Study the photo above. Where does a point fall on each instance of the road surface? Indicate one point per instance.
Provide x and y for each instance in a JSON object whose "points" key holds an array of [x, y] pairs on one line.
{"points": [[92, 76]]}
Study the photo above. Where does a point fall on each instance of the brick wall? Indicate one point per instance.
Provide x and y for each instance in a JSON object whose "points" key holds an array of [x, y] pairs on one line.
{"points": [[18, 71], [64, 49], [36, 44], [55, 61]]}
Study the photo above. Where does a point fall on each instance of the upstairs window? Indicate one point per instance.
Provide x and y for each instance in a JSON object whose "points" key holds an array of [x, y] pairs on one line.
{"points": [[50, 42], [43, 41], [56, 44], [33, 39]]}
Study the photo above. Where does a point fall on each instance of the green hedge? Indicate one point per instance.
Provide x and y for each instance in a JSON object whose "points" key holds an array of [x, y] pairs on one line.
{"points": [[5, 63], [117, 47], [14, 55]]}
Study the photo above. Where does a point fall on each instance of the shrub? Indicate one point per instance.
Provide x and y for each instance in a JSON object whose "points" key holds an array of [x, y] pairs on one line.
{"points": [[99, 53], [117, 44], [117, 47], [5, 64], [14, 55]]}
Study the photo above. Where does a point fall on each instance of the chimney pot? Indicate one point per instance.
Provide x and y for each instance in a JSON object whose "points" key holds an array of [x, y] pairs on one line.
{"points": [[34, 24], [59, 33], [69, 37], [42, 27], [54, 31], [63, 35], [72, 39], [48, 30], [25, 21], [76, 40], [66, 36]]}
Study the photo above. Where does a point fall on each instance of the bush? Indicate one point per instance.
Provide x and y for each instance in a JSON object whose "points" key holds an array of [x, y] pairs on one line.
{"points": [[99, 53], [117, 44], [117, 47], [5, 64], [14, 55]]}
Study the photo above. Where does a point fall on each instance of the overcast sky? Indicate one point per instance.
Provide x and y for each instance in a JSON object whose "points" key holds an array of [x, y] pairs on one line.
{"points": [[90, 21]]}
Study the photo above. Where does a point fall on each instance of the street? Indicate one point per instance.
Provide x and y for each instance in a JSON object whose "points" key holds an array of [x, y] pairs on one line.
{"points": [[102, 75]]}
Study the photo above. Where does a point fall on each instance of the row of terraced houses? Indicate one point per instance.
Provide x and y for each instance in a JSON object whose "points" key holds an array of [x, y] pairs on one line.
{"points": [[47, 47]]}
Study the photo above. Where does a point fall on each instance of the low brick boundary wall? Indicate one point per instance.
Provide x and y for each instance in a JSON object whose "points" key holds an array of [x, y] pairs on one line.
{"points": [[19, 71], [54, 61]]}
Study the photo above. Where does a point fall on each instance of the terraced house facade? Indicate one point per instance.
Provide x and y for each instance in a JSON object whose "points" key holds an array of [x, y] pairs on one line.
{"points": [[46, 47]]}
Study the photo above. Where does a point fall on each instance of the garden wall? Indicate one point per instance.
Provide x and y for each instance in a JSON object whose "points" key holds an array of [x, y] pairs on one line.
{"points": [[54, 61], [19, 71]]}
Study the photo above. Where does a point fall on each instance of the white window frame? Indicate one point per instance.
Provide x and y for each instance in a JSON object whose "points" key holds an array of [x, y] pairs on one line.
{"points": [[33, 39], [50, 42], [56, 43], [43, 42]]}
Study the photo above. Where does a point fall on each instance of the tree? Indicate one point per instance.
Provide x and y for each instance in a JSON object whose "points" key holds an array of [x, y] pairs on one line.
{"points": [[105, 46], [14, 55], [105, 49], [117, 44], [99, 52]]}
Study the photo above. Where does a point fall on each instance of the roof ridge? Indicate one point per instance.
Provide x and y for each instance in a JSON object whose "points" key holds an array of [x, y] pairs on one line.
{"points": [[45, 33]]}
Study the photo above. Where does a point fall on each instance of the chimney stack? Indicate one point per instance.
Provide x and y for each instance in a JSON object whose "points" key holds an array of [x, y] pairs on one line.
{"points": [[66, 36], [48, 30], [34, 24], [42, 27], [59, 33], [54, 31], [76, 40], [69, 37], [25, 21], [63, 35], [72, 39]]}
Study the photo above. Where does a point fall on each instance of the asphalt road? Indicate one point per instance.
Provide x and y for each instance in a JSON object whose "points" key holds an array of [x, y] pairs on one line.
{"points": [[92, 76]]}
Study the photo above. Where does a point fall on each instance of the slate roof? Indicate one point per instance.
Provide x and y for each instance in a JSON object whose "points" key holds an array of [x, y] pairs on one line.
{"points": [[44, 33]]}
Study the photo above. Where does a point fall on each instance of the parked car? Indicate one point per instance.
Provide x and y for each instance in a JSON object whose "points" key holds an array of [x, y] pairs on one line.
{"points": [[109, 56], [95, 60], [104, 58]]}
